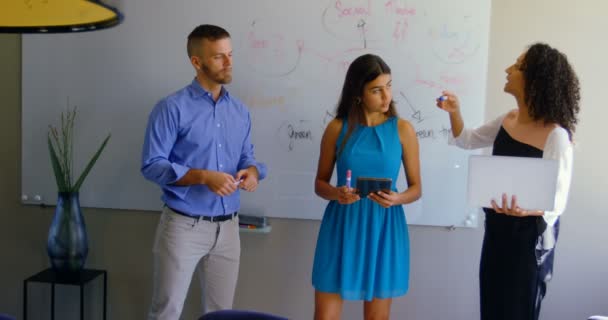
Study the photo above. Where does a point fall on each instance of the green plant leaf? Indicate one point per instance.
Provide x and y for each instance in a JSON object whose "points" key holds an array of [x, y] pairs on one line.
{"points": [[90, 165], [57, 170]]}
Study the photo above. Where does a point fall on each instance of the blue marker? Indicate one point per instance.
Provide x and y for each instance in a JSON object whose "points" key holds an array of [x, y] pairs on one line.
{"points": [[443, 98]]}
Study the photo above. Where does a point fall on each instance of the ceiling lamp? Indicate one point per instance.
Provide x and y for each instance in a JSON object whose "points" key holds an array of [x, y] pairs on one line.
{"points": [[51, 16]]}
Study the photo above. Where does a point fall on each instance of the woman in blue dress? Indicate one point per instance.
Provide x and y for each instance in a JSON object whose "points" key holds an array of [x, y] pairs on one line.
{"points": [[362, 249]]}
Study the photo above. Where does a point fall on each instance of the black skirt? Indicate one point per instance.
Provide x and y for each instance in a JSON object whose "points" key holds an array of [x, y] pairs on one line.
{"points": [[514, 268]]}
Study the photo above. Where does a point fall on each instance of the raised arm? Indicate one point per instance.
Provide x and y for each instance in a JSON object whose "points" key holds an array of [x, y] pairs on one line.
{"points": [[465, 138], [449, 103]]}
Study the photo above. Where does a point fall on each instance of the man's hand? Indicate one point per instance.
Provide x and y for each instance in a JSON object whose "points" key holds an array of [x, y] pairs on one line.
{"points": [[248, 179], [221, 183]]}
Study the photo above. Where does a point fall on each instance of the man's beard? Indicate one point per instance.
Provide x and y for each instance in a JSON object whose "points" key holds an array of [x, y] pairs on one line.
{"points": [[217, 76]]}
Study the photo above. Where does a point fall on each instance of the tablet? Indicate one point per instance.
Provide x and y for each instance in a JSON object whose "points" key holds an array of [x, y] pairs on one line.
{"points": [[366, 185], [532, 180]]}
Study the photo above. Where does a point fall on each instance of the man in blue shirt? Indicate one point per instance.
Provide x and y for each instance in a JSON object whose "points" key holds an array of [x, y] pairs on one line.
{"points": [[198, 148]]}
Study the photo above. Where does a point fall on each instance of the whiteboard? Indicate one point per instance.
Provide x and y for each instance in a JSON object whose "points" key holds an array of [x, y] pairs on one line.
{"points": [[290, 58]]}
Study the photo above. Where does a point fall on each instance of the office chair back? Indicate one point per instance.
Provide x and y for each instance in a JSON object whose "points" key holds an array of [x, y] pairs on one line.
{"points": [[6, 317], [239, 315]]}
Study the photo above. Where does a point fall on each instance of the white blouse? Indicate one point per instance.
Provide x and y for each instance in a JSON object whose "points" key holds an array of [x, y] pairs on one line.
{"points": [[557, 146]]}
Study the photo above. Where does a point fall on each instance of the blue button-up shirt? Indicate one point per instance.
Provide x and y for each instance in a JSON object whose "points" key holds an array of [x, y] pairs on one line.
{"points": [[188, 129]]}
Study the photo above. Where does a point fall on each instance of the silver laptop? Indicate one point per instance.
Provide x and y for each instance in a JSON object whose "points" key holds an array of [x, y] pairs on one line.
{"points": [[532, 180]]}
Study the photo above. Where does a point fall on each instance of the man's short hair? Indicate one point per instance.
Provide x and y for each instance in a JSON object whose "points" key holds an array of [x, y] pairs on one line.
{"points": [[204, 31]]}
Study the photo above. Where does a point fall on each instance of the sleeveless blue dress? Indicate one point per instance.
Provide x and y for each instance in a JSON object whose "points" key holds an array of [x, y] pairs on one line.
{"points": [[362, 249]]}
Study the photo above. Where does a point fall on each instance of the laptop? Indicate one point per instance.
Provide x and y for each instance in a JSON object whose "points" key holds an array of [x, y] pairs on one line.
{"points": [[532, 180]]}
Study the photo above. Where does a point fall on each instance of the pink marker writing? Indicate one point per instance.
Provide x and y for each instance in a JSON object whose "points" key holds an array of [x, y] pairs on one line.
{"points": [[348, 176]]}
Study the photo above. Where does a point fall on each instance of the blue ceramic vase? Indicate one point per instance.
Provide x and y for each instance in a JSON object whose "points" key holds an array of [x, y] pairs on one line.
{"points": [[68, 245]]}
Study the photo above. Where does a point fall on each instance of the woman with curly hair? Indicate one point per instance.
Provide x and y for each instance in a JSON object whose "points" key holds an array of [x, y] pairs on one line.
{"points": [[518, 245]]}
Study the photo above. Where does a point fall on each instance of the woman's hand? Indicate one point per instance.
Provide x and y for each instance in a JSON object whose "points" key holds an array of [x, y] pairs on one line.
{"points": [[347, 195], [514, 209], [385, 199], [450, 102]]}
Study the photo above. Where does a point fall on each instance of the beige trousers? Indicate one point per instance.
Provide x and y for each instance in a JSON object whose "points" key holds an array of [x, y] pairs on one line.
{"points": [[183, 245]]}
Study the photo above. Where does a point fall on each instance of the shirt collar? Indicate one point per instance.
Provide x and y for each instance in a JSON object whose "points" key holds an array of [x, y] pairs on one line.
{"points": [[198, 91]]}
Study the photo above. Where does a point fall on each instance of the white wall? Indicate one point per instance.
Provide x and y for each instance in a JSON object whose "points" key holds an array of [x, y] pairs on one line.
{"points": [[275, 269]]}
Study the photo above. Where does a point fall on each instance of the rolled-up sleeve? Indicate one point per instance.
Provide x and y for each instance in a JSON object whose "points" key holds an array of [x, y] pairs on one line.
{"points": [[161, 133], [247, 158]]}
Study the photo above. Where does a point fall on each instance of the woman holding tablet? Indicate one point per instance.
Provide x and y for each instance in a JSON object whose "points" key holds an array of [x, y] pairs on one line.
{"points": [[518, 246], [363, 247]]}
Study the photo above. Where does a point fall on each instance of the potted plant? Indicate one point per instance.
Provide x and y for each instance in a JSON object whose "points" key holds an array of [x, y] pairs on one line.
{"points": [[67, 244]]}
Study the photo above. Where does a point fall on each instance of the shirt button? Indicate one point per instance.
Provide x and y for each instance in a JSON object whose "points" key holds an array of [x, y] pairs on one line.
{"points": [[218, 125], [219, 145], [221, 165]]}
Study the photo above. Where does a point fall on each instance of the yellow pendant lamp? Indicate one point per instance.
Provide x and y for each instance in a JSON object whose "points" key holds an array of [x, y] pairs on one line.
{"points": [[51, 16]]}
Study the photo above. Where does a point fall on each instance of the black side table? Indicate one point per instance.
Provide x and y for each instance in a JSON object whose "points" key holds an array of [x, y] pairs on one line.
{"points": [[79, 279]]}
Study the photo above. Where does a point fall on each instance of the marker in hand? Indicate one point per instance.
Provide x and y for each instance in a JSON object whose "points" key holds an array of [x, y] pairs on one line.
{"points": [[238, 182], [348, 178], [443, 98]]}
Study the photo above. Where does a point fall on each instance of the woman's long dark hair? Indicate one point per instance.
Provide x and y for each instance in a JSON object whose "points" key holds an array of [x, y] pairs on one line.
{"points": [[362, 70], [552, 90]]}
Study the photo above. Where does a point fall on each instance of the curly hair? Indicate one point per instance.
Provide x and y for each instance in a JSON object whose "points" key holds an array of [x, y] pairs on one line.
{"points": [[552, 90]]}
